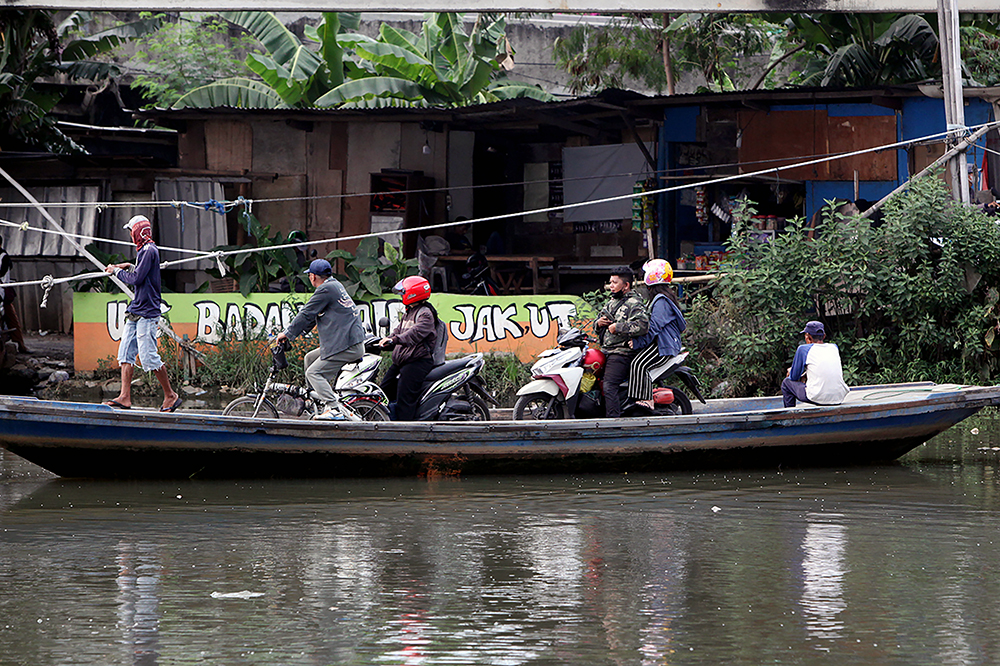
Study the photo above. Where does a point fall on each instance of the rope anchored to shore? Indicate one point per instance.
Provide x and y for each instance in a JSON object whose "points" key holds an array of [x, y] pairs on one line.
{"points": [[223, 207], [47, 283]]}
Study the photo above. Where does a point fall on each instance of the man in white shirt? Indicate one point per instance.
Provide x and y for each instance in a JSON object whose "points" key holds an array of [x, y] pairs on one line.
{"points": [[816, 375]]}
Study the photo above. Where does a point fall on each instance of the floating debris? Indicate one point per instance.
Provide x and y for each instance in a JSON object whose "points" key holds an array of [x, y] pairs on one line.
{"points": [[245, 594]]}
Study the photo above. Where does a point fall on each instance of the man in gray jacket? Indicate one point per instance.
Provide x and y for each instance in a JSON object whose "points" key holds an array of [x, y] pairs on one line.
{"points": [[341, 336]]}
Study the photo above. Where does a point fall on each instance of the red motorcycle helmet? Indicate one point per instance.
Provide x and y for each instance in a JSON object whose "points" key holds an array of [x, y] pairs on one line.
{"points": [[593, 360], [413, 289]]}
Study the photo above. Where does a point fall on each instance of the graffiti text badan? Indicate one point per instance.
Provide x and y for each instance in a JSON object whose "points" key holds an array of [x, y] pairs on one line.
{"points": [[218, 320]]}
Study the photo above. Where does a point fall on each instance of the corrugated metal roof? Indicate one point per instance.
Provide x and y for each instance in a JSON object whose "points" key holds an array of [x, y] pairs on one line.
{"points": [[591, 115], [73, 219]]}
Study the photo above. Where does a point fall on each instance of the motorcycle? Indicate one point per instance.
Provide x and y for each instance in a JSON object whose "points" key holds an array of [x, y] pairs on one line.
{"points": [[567, 382], [453, 390], [476, 279]]}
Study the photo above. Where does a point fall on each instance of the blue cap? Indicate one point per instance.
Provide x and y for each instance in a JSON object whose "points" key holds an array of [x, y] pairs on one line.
{"points": [[815, 329], [320, 267]]}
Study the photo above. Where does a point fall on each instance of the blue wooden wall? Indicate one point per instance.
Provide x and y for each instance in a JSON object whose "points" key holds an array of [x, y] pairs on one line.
{"points": [[919, 117]]}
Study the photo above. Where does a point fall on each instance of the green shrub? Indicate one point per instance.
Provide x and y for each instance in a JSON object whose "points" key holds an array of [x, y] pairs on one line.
{"points": [[503, 374], [255, 270], [913, 299]]}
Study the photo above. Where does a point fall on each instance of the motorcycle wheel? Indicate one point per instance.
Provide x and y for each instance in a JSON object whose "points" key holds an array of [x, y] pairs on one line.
{"points": [[480, 410], [531, 407], [370, 410], [244, 407], [681, 406]]}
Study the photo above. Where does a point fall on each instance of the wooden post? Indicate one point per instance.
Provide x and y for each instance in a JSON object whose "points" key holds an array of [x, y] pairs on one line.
{"points": [[954, 104]]}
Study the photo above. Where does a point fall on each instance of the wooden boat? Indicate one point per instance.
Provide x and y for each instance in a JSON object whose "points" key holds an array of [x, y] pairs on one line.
{"points": [[875, 424]]}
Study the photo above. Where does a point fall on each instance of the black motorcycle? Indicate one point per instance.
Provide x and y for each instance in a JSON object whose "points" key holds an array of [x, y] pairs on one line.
{"points": [[453, 390], [476, 279]]}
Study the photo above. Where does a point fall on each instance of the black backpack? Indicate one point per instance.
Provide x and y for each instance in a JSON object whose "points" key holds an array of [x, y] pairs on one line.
{"points": [[440, 342]]}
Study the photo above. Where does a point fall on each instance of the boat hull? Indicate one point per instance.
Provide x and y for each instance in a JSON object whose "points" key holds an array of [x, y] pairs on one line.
{"points": [[84, 440]]}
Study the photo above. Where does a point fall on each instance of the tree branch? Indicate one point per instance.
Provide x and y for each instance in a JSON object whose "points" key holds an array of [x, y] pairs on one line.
{"points": [[770, 68]]}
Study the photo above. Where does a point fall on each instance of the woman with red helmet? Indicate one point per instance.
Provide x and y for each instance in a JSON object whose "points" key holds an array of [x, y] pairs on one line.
{"points": [[412, 343]]}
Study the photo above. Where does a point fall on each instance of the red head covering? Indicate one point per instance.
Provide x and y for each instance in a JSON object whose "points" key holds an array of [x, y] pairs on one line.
{"points": [[141, 230]]}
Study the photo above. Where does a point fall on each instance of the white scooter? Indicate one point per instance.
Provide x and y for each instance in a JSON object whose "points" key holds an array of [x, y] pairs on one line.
{"points": [[567, 384]]}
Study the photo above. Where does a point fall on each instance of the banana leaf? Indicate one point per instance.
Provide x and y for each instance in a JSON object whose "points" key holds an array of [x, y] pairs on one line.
{"points": [[89, 70], [478, 78], [104, 41], [331, 50], [850, 65], [375, 86], [513, 90], [280, 42], [289, 88], [407, 64], [236, 92], [452, 43], [399, 37]]}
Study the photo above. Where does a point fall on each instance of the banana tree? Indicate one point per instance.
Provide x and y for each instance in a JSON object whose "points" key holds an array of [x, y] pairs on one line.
{"points": [[867, 49], [33, 47], [292, 73], [442, 66]]}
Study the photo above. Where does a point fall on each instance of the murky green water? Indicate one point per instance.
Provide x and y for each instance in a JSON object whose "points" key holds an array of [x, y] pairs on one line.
{"points": [[883, 565]]}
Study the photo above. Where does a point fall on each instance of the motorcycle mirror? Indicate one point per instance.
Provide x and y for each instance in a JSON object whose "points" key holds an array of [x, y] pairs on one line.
{"points": [[383, 323]]}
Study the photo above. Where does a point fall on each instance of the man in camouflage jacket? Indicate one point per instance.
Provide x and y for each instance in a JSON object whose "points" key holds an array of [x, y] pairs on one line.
{"points": [[622, 318]]}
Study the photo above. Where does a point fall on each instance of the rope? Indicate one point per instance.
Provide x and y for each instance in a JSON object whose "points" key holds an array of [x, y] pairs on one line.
{"points": [[226, 206], [47, 283], [24, 226], [218, 255], [165, 327]]}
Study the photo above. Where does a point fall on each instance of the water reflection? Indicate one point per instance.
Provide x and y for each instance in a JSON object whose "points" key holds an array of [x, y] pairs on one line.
{"points": [[139, 572], [823, 546], [663, 595], [644, 570], [889, 565]]}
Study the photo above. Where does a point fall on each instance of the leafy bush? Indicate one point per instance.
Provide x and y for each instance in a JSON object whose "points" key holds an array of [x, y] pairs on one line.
{"points": [[237, 363], [368, 273], [595, 300], [913, 299], [255, 270], [185, 54], [503, 374]]}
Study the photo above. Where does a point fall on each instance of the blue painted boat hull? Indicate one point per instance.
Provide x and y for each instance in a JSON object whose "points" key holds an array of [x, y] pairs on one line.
{"points": [[87, 440]]}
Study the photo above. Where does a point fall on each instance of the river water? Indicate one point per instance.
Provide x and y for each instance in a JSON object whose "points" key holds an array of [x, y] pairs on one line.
{"points": [[896, 564]]}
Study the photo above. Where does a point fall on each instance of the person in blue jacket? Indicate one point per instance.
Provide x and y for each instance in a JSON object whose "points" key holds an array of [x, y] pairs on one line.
{"points": [[816, 375], [142, 317], [663, 339]]}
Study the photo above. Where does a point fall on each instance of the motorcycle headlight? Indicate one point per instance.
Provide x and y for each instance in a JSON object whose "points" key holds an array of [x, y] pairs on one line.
{"points": [[544, 366]]}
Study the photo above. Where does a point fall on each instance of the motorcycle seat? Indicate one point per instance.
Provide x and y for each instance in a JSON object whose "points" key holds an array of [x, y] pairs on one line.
{"points": [[445, 369]]}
